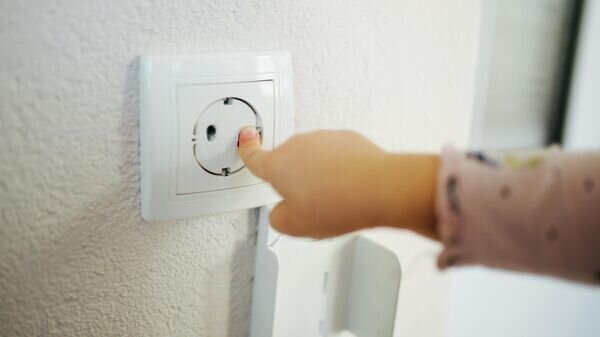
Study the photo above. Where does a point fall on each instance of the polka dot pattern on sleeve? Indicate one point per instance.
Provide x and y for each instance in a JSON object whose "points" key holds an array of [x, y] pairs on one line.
{"points": [[536, 211]]}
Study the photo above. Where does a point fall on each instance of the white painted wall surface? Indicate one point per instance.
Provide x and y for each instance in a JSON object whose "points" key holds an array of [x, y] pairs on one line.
{"points": [[75, 256]]}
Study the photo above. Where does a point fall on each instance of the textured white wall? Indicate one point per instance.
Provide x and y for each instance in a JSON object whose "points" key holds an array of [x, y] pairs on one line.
{"points": [[75, 257]]}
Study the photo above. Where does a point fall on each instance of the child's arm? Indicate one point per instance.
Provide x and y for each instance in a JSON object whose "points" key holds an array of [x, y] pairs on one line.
{"points": [[334, 182], [538, 212]]}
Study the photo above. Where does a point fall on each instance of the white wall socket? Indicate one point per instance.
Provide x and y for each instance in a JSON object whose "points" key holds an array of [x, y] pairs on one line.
{"points": [[191, 110]]}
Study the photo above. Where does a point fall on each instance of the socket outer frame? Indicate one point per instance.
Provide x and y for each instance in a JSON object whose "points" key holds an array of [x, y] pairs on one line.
{"points": [[159, 132]]}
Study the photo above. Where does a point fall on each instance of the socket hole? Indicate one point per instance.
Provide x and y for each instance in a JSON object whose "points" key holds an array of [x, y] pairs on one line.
{"points": [[211, 132]]}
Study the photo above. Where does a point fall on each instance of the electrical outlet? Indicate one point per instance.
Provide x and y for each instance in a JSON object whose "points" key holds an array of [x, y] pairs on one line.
{"points": [[215, 134], [191, 110], [210, 117]]}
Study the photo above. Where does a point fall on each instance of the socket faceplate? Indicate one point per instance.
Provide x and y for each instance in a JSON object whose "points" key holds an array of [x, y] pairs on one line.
{"points": [[180, 162]]}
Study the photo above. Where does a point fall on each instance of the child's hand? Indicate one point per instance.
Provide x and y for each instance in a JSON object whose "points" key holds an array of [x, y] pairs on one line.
{"points": [[334, 182]]}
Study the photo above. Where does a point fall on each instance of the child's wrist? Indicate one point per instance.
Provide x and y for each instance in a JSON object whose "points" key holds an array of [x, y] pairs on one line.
{"points": [[405, 189]]}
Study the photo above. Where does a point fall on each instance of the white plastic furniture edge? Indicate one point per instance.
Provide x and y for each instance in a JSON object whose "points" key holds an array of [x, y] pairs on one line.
{"points": [[345, 287]]}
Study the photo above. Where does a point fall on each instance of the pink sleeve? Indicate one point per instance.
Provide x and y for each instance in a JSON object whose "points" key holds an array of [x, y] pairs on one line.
{"points": [[537, 211]]}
